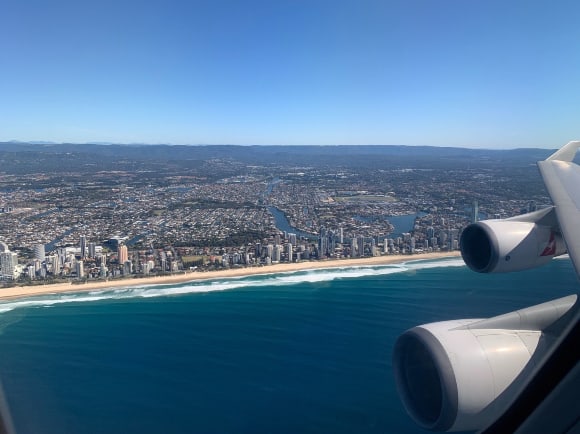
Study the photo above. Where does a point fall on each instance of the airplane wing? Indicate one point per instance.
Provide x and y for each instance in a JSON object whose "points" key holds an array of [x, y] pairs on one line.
{"points": [[517, 372], [562, 179], [550, 401]]}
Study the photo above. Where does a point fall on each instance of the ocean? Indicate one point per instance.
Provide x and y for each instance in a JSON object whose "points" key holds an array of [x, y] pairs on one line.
{"points": [[303, 352]]}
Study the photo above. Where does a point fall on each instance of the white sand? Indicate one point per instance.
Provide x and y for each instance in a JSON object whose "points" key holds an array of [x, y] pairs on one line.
{"points": [[23, 291]]}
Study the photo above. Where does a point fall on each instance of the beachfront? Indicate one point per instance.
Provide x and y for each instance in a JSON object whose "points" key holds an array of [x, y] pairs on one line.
{"points": [[23, 291]]}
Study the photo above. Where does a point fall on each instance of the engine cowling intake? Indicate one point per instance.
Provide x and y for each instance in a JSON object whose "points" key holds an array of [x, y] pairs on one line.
{"points": [[458, 375], [496, 246], [447, 378]]}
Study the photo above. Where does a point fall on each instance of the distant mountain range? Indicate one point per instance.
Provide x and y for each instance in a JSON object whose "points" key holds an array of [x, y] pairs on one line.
{"points": [[375, 156]]}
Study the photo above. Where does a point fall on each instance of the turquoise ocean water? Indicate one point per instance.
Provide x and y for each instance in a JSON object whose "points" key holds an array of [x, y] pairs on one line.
{"points": [[306, 352]]}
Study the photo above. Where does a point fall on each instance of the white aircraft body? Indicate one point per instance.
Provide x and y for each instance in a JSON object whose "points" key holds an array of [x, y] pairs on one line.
{"points": [[516, 372]]}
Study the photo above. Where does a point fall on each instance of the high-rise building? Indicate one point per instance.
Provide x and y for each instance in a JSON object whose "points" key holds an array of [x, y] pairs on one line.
{"points": [[433, 242], [55, 263], [92, 250], [270, 250], [123, 253], [289, 252], [39, 252], [475, 212], [276, 253], [163, 261], [353, 248], [80, 269], [331, 242], [323, 242], [83, 247], [8, 263], [61, 255], [30, 272]]}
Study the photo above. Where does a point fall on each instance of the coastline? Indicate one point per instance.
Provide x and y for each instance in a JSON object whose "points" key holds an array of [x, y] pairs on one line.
{"points": [[27, 291]]}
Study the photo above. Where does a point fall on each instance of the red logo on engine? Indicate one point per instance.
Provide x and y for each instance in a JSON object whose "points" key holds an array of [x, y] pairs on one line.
{"points": [[550, 249]]}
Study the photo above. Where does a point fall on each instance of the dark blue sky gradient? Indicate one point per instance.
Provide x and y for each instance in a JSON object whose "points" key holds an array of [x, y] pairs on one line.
{"points": [[450, 72]]}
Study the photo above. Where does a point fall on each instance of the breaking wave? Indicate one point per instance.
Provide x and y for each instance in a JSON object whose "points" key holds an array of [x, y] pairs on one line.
{"points": [[202, 286]]}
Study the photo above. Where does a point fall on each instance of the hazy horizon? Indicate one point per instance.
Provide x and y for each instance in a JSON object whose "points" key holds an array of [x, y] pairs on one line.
{"points": [[93, 143]]}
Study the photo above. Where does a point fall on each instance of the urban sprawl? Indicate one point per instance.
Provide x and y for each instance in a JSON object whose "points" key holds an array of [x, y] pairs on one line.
{"points": [[135, 217]]}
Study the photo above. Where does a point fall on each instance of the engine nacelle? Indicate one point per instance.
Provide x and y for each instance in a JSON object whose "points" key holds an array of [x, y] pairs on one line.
{"points": [[497, 246], [457, 375], [447, 378]]}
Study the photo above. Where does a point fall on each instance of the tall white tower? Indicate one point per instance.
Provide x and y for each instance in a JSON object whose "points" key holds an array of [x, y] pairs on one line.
{"points": [[39, 252], [8, 263]]}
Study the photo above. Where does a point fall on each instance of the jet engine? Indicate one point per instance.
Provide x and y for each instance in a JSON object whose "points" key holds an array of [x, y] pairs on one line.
{"points": [[520, 243], [456, 375]]}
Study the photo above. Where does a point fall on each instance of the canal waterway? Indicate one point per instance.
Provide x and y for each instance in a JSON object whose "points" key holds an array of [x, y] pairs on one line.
{"points": [[401, 223], [283, 224]]}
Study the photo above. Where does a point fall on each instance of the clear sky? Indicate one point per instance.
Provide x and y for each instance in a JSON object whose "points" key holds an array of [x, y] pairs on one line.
{"points": [[476, 73]]}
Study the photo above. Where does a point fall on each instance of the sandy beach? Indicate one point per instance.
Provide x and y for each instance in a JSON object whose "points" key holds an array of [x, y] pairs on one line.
{"points": [[25, 291]]}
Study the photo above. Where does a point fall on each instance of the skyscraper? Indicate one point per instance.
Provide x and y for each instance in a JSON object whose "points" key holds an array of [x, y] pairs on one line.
{"points": [[8, 263], [83, 247], [353, 247], [475, 212], [276, 253], [55, 262], [123, 253], [323, 242], [80, 269], [92, 250], [270, 248], [39, 252]]}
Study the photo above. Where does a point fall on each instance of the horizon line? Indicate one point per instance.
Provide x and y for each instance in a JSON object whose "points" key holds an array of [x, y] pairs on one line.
{"points": [[106, 143]]}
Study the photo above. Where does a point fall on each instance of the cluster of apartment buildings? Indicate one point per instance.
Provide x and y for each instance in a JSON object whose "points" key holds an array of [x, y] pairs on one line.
{"points": [[90, 259]]}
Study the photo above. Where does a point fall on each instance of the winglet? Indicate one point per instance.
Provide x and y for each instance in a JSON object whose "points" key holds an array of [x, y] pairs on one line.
{"points": [[566, 152]]}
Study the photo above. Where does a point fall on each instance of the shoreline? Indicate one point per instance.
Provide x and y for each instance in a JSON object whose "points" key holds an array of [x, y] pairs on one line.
{"points": [[189, 276]]}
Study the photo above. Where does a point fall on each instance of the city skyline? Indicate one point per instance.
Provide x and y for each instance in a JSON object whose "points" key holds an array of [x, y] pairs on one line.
{"points": [[66, 211], [488, 75]]}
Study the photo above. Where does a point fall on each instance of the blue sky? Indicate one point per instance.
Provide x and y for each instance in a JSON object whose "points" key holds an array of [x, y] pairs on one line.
{"points": [[494, 74]]}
